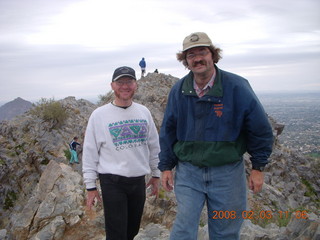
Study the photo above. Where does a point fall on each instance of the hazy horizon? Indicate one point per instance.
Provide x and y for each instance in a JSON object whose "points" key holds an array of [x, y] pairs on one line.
{"points": [[260, 94]]}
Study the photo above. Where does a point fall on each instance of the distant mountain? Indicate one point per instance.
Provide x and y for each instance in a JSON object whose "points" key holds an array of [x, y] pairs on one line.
{"points": [[14, 108]]}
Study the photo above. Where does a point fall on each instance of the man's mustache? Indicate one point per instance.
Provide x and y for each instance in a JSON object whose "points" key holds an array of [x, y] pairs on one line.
{"points": [[198, 62]]}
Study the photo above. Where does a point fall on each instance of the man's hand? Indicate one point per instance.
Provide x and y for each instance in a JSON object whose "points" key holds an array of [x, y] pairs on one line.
{"points": [[167, 180], [154, 183], [256, 180], [91, 196]]}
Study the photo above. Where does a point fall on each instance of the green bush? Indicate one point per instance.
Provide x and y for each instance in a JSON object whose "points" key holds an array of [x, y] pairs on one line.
{"points": [[310, 190], [10, 198], [2, 162], [67, 154], [50, 111]]}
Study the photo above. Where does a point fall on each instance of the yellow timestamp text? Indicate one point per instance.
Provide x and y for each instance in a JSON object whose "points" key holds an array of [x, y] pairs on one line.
{"points": [[258, 214]]}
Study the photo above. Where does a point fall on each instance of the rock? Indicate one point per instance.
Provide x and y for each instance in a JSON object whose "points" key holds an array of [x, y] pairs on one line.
{"points": [[203, 233], [53, 230], [153, 232], [251, 231], [57, 200], [3, 234], [307, 229]]}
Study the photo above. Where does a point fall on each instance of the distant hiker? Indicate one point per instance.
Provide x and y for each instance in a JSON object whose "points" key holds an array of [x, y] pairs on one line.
{"points": [[73, 150], [143, 65], [121, 146], [156, 71]]}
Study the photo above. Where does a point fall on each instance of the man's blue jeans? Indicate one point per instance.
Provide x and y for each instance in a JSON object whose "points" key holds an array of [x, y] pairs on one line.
{"points": [[222, 188]]}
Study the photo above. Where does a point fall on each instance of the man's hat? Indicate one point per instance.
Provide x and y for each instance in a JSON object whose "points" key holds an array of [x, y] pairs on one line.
{"points": [[122, 72], [197, 39]]}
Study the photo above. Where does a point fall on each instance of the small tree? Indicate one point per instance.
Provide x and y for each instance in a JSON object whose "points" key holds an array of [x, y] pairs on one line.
{"points": [[103, 99], [50, 111]]}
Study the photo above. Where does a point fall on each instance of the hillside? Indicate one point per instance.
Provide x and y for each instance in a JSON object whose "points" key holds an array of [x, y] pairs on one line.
{"points": [[14, 108], [42, 197]]}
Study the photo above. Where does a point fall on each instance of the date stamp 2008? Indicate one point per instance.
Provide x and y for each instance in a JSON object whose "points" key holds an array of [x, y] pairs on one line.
{"points": [[257, 215]]}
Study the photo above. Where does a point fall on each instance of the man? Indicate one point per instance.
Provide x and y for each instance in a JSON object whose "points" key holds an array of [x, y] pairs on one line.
{"points": [[121, 146], [73, 150], [142, 65], [212, 118]]}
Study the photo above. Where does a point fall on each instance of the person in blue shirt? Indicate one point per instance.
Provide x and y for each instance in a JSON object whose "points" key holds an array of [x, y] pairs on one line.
{"points": [[143, 65], [73, 150], [212, 118]]}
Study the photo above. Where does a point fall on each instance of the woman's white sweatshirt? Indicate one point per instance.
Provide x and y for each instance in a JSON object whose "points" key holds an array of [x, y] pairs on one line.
{"points": [[120, 141]]}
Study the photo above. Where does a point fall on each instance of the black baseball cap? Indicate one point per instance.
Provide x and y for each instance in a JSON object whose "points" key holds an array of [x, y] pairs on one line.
{"points": [[123, 72]]}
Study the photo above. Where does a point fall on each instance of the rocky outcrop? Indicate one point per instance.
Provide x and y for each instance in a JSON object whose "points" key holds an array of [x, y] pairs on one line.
{"points": [[27, 145], [56, 202], [153, 92], [42, 197]]}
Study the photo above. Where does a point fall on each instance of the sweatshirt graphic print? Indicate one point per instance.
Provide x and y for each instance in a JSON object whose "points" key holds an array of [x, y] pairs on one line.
{"points": [[129, 133]]}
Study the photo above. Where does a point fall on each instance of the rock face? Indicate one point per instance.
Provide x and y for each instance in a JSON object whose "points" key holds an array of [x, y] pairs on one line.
{"points": [[56, 202], [14, 108], [42, 197], [28, 144]]}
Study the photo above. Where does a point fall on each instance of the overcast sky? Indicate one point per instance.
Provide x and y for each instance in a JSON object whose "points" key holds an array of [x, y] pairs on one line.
{"points": [[60, 48]]}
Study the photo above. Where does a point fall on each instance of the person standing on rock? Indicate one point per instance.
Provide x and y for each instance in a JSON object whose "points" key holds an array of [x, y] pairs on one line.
{"points": [[121, 146], [142, 65], [73, 151], [212, 118]]}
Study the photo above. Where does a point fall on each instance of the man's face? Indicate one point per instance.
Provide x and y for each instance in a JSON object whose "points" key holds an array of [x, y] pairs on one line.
{"points": [[199, 60], [124, 88]]}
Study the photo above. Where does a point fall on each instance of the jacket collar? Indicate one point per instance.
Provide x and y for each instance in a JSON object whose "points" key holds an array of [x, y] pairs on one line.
{"points": [[215, 91]]}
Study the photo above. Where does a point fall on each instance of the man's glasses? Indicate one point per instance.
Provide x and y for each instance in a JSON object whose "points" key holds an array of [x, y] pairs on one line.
{"points": [[201, 53], [128, 82]]}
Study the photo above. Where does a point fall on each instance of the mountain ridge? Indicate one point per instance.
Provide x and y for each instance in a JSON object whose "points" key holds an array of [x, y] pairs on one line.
{"points": [[44, 197]]}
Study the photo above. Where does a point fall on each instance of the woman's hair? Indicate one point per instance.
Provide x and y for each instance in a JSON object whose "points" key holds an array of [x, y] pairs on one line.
{"points": [[216, 55]]}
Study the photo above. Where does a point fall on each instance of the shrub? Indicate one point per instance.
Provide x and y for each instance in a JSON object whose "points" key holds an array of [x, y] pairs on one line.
{"points": [[310, 190], [67, 153], [103, 99], [50, 111], [10, 198], [2, 162]]}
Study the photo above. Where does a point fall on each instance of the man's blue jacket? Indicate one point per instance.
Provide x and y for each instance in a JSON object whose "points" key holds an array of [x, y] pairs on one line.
{"points": [[217, 128]]}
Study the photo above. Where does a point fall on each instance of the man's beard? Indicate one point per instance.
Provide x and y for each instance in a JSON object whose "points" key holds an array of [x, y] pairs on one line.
{"points": [[125, 99]]}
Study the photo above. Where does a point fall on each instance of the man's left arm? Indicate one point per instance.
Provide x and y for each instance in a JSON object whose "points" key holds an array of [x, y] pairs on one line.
{"points": [[154, 149], [259, 144]]}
